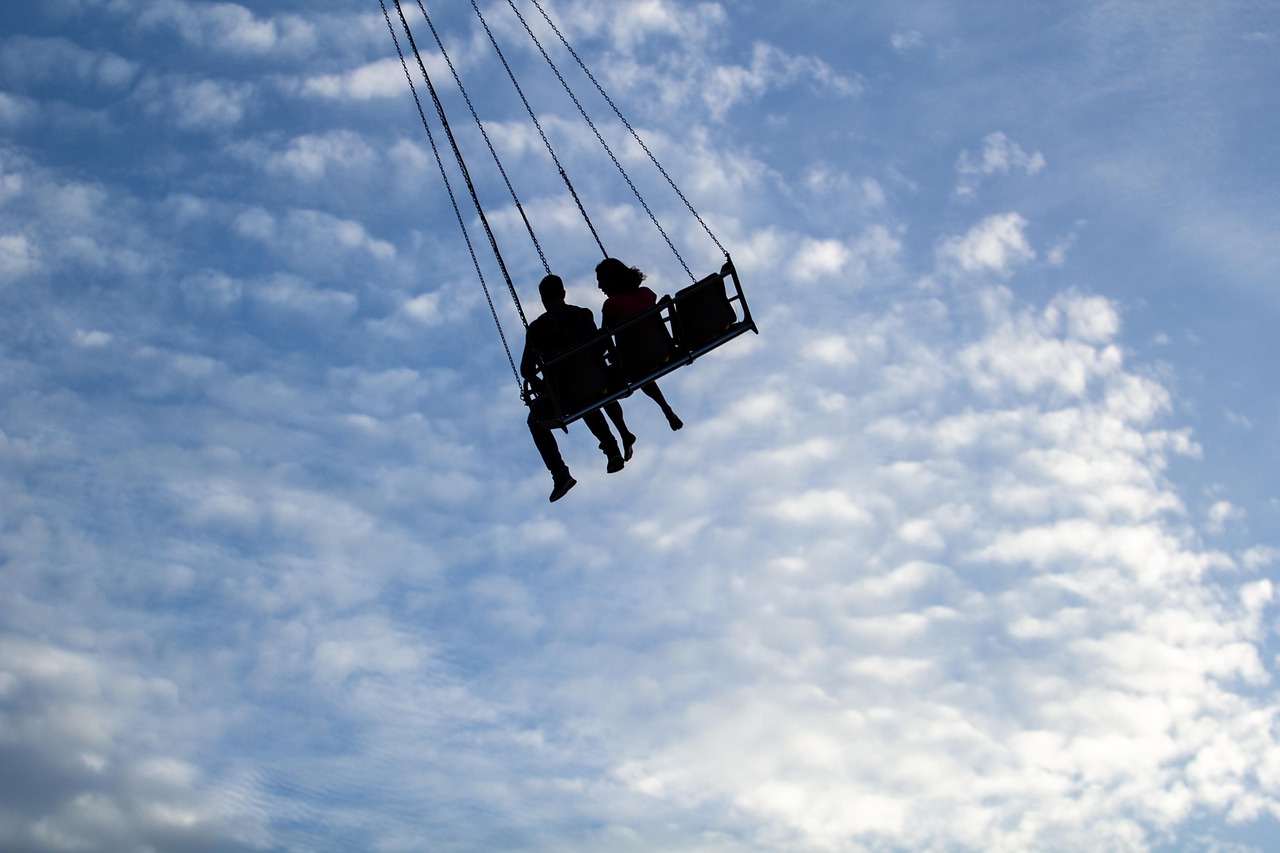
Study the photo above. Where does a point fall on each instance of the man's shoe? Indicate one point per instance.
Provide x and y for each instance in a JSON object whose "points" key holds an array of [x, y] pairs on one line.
{"points": [[616, 464], [562, 488], [628, 446]]}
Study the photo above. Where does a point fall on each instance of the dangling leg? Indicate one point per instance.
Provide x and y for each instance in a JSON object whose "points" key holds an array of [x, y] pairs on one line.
{"points": [[614, 411], [653, 392], [549, 450], [608, 444]]}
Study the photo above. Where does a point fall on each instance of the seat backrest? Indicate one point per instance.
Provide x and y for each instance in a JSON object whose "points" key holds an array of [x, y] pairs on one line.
{"points": [[643, 346], [578, 380], [702, 312]]}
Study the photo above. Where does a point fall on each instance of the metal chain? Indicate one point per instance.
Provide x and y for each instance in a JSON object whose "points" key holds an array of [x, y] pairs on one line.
{"points": [[484, 133], [652, 157], [537, 124], [462, 166], [599, 137], [449, 187]]}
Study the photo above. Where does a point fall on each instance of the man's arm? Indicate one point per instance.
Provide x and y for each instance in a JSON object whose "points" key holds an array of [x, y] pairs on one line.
{"points": [[529, 361]]}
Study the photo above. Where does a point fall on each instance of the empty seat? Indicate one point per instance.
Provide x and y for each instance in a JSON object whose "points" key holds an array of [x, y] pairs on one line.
{"points": [[703, 312]]}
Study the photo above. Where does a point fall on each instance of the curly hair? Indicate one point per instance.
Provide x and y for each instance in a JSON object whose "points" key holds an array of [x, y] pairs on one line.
{"points": [[618, 277]]}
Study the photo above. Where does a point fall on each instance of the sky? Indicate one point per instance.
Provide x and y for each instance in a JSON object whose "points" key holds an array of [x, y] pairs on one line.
{"points": [[973, 547]]}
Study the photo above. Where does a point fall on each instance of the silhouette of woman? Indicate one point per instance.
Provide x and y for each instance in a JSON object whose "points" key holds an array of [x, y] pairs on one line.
{"points": [[626, 297]]}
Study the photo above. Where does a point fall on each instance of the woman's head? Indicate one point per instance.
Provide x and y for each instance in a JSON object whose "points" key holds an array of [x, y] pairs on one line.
{"points": [[615, 277]]}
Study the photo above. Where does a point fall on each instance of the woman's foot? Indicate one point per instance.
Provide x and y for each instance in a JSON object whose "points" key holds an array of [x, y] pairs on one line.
{"points": [[628, 442], [674, 421]]}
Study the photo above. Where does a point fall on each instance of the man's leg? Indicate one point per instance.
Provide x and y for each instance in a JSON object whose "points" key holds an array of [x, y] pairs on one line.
{"points": [[549, 450], [608, 444]]}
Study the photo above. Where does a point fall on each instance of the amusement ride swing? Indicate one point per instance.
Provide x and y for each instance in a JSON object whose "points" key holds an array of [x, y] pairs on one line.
{"points": [[677, 330]]}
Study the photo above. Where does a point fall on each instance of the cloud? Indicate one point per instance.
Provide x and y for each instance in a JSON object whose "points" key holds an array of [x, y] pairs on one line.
{"points": [[196, 104], [279, 571], [227, 27], [1051, 622], [652, 36], [78, 771], [309, 237], [381, 79], [16, 111], [1223, 513], [770, 69], [18, 257], [632, 23], [35, 61], [313, 157], [1000, 156], [996, 245], [906, 41]]}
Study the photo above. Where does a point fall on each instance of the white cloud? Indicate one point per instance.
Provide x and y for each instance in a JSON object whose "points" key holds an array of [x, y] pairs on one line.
{"points": [[58, 59], [906, 41], [770, 68], [279, 571], [632, 22], [228, 27], [312, 157], [84, 736], [1034, 528], [839, 264], [310, 237], [18, 257], [1222, 513], [998, 244], [1000, 156], [381, 79], [197, 104], [91, 339], [297, 296], [16, 111], [1034, 352]]}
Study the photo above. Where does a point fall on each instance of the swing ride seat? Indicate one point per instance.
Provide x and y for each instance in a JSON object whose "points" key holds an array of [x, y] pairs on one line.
{"points": [[704, 315], [700, 317], [643, 346], [578, 380]]}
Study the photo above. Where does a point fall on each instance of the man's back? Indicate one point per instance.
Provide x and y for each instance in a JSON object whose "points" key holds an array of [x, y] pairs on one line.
{"points": [[583, 377], [560, 329]]}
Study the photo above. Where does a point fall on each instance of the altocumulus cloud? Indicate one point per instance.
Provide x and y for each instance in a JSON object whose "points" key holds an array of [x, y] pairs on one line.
{"points": [[279, 573]]}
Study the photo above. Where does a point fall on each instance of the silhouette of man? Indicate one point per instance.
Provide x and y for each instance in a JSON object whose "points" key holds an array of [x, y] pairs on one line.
{"points": [[558, 330]]}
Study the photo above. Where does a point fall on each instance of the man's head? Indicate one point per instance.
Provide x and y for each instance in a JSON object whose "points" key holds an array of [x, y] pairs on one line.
{"points": [[551, 289]]}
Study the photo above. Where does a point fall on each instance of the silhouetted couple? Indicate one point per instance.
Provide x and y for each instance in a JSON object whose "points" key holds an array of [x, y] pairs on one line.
{"points": [[583, 376]]}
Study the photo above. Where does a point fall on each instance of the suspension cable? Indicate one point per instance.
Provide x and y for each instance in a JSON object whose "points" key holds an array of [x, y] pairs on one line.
{"points": [[537, 124], [599, 137], [484, 133], [462, 166], [449, 187], [636, 136]]}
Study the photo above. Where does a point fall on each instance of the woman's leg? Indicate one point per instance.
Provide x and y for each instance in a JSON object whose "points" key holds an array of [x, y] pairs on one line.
{"points": [[655, 393], [614, 411]]}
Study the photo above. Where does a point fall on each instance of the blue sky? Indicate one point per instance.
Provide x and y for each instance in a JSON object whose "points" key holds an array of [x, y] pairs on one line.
{"points": [[971, 548]]}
